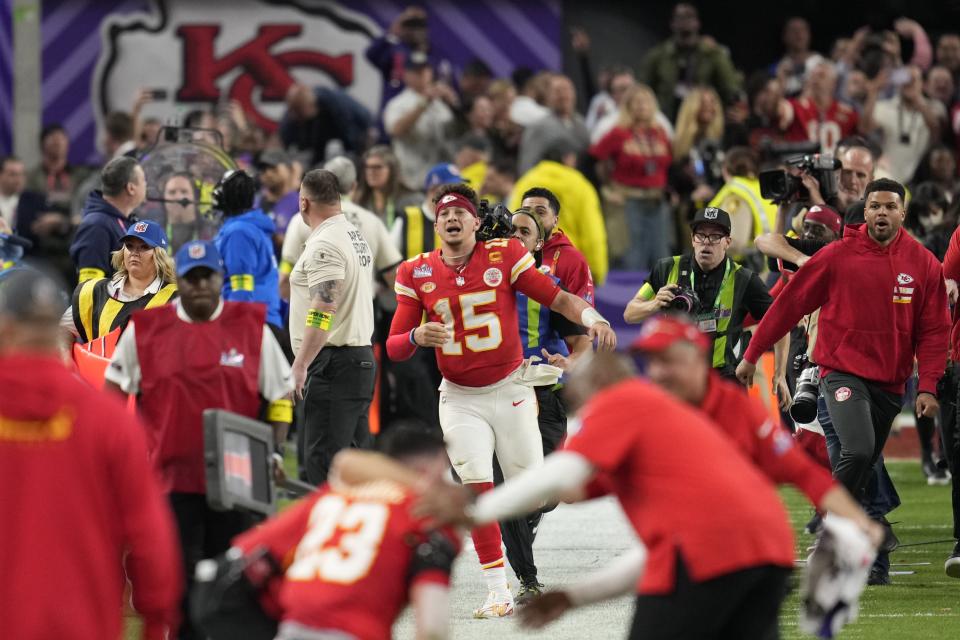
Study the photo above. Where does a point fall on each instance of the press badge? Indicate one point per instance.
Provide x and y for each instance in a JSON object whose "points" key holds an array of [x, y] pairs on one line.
{"points": [[707, 324]]}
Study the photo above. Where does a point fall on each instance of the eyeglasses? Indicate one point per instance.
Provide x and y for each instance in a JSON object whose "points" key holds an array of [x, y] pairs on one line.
{"points": [[708, 238]]}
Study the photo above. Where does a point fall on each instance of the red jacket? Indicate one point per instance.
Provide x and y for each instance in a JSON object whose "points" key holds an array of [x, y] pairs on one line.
{"points": [[880, 308], [565, 261], [768, 445], [951, 271], [76, 494], [643, 440]]}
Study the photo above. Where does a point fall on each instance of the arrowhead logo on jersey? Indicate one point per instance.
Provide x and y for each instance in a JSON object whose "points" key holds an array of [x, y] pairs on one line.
{"points": [[904, 278], [901, 294], [493, 277], [423, 271]]}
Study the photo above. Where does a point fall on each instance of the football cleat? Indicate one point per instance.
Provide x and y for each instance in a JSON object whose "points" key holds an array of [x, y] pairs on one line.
{"points": [[528, 589], [952, 565], [497, 606]]}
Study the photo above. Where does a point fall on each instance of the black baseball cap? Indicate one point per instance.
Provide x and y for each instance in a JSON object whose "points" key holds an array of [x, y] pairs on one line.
{"points": [[712, 215], [416, 60], [272, 158]]}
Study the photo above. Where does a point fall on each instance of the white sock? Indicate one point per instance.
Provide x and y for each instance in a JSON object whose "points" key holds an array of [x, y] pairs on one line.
{"points": [[496, 578]]}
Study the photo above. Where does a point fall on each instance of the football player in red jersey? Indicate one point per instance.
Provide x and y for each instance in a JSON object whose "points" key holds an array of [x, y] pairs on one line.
{"points": [[353, 557], [487, 402], [816, 115]]}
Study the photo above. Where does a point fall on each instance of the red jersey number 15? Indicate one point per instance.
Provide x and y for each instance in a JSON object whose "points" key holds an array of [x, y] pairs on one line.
{"points": [[470, 320]]}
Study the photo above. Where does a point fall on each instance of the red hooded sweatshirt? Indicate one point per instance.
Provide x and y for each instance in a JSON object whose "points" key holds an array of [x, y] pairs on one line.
{"points": [[80, 511], [880, 308], [951, 271], [567, 263]]}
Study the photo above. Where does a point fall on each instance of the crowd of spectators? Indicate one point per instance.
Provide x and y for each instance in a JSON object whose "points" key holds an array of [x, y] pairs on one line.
{"points": [[651, 143]]}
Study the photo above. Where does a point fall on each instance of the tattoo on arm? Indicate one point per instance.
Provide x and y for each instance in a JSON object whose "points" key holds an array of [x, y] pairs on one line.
{"points": [[327, 291]]}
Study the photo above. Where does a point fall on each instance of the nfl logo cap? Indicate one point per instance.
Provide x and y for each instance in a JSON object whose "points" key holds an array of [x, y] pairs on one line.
{"points": [[713, 215], [148, 231], [198, 253], [444, 173]]}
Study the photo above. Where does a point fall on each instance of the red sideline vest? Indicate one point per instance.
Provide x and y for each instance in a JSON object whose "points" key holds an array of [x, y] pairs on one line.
{"points": [[186, 368]]}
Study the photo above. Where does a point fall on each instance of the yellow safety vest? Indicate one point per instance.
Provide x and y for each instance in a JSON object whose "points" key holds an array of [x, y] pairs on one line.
{"points": [[97, 313], [419, 235], [748, 190], [723, 306]]}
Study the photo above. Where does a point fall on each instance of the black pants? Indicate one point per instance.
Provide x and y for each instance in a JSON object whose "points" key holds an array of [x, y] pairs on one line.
{"points": [[413, 389], [335, 406], [519, 533], [862, 414], [950, 432], [743, 605], [204, 533]]}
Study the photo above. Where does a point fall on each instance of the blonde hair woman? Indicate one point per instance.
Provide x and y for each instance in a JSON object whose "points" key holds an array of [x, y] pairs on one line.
{"points": [[637, 152], [700, 118], [144, 278]]}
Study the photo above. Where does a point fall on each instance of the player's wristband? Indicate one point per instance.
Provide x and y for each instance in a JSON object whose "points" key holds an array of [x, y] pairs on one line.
{"points": [[590, 317], [413, 340], [285, 267], [319, 319]]}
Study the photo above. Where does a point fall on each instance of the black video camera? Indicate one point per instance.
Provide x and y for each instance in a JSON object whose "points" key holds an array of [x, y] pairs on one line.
{"points": [[496, 222], [781, 186]]}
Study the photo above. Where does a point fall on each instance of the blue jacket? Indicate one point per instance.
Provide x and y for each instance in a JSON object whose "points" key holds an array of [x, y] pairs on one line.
{"points": [[246, 244], [97, 236]]}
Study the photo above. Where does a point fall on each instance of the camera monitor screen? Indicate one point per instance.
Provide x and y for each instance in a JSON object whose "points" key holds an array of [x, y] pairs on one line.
{"points": [[237, 454]]}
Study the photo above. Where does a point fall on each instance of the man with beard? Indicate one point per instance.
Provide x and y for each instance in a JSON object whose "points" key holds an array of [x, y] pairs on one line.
{"points": [[867, 340]]}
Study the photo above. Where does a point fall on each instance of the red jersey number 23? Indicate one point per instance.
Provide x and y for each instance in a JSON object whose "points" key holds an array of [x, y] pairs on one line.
{"points": [[345, 558]]}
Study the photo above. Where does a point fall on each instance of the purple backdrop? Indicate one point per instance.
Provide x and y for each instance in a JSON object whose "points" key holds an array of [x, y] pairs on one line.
{"points": [[503, 33], [6, 77]]}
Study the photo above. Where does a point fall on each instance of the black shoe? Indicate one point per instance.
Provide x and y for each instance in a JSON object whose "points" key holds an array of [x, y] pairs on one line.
{"points": [[529, 588], [936, 473], [890, 539], [814, 525], [952, 565], [878, 576]]}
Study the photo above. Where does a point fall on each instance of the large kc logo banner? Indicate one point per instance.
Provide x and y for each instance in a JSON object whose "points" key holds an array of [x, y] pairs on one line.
{"points": [[198, 54]]}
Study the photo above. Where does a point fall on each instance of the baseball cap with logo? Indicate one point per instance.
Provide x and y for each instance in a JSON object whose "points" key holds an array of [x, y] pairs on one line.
{"points": [[198, 253], [712, 215], [444, 173], [148, 231], [661, 332], [827, 216]]}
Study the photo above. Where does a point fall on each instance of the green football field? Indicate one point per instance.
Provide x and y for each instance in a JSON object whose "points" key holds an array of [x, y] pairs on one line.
{"points": [[924, 604]]}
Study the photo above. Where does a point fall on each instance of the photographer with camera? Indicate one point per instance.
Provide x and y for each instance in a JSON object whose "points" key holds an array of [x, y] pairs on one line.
{"points": [[867, 341], [707, 285]]}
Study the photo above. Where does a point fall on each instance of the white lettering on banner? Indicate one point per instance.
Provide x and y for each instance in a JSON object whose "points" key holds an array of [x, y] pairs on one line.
{"points": [[201, 55]]}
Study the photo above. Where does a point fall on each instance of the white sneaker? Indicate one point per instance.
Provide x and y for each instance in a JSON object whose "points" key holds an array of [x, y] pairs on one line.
{"points": [[497, 606]]}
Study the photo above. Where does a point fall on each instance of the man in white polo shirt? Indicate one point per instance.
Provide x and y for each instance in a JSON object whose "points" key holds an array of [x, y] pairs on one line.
{"points": [[331, 326]]}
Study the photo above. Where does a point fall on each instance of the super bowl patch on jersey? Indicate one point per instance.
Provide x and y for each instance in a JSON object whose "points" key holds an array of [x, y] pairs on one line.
{"points": [[492, 277]]}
